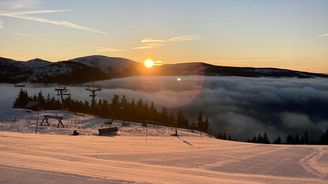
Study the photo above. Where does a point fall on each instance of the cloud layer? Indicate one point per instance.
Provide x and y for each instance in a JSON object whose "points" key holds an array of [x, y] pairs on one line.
{"points": [[241, 107]]}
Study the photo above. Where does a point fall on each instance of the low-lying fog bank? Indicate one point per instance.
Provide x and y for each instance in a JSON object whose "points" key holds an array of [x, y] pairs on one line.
{"points": [[240, 107]]}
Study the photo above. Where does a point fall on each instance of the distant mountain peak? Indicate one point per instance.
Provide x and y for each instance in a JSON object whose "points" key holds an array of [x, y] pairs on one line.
{"points": [[38, 60], [107, 64]]}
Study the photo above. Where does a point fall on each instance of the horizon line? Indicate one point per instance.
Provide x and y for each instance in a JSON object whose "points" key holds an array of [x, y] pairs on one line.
{"points": [[183, 62]]}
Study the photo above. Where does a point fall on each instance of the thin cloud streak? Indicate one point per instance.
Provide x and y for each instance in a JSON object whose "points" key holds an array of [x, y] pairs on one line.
{"points": [[149, 40], [153, 43], [21, 34], [22, 15], [142, 47], [323, 35], [148, 46], [31, 12], [173, 39], [185, 38]]}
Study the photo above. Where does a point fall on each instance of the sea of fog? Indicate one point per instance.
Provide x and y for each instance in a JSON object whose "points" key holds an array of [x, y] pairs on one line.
{"points": [[240, 107]]}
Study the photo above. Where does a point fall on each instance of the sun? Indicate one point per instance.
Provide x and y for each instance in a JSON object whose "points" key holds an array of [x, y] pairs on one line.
{"points": [[149, 63]]}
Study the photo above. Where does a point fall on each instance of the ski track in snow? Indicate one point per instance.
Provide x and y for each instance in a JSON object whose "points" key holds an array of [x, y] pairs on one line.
{"points": [[310, 163]]}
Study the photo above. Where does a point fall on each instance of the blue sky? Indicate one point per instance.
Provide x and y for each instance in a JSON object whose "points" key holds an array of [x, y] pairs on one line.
{"points": [[262, 33]]}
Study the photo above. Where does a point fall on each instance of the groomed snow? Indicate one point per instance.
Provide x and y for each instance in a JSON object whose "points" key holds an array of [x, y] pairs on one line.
{"points": [[157, 159]]}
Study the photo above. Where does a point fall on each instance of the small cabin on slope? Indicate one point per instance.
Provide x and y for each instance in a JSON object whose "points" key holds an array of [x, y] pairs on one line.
{"points": [[108, 131]]}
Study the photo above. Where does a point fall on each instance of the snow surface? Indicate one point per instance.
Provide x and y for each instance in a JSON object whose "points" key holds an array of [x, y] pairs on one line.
{"points": [[16, 175], [52, 70], [22, 120], [160, 158], [104, 63]]}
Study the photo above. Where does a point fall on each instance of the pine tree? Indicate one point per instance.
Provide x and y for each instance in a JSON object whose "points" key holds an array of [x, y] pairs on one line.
{"points": [[306, 138], [153, 113], [22, 99], [182, 121], [324, 138], [290, 139], [139, 110], [193, 126], [277, 141], [104, 109], [115, 106], [266, 139], [297, 139], [179, 119], [206, 125], [41, 100], [259, 138], [146, 114], [254, 140], [171, 121], [164, 117], [132, 114], [200, 121]]}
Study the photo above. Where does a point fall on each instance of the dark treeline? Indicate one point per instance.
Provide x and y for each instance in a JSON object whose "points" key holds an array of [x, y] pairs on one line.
{"points": [[260, 139], [224, 136], [291, 139], [118, 108]]}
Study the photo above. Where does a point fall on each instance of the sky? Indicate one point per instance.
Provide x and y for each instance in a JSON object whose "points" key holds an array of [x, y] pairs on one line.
{"points": [[289, 34]]}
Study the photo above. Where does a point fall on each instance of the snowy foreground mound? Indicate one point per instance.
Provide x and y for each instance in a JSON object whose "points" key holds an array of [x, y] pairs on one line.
{"points": [[42, 158]]}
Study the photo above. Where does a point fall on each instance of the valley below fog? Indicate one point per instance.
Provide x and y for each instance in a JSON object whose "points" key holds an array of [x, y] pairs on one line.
{"points": [[238, 106]]}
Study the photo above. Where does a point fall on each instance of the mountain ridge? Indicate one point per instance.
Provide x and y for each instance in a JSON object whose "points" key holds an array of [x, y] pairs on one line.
{"points": [[98, 67]]}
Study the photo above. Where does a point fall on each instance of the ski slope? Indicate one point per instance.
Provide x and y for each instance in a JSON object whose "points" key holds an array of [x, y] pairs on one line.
{"points": [[164, 159], [130, 157]]}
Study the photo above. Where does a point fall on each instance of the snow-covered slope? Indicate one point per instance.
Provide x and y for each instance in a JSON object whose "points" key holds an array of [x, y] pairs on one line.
{"points": [[23, 120], [36, 63], [78, 70], [155, 158], [66, 72], [13, 71], [160, 160], [108, 64]]}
